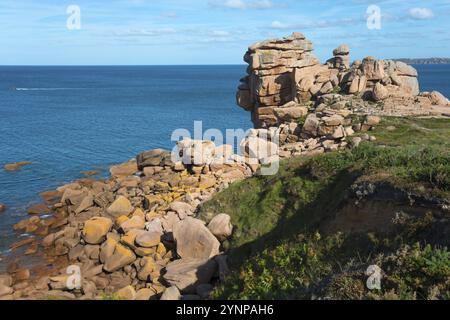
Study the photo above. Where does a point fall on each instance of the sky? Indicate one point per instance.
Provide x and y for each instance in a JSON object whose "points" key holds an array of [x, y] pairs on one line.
{"points": [[178, 32]]}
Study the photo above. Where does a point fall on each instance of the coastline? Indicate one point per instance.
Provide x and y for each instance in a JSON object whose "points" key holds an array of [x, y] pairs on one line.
{"points": [[136, 235]]}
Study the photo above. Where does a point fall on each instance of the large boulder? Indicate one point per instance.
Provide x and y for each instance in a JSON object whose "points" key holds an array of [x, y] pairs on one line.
{"points": [[121, 206], [221, 227], [438, 98], [379, 92], [124, 169], [148, 239], [196, 152], [187, 274], [194, 240], [153, 158], [121, 257], [136, 222], [258, 148], [95, 229]]}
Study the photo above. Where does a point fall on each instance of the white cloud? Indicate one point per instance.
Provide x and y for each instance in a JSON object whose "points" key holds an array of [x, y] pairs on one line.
{"points": [[421, 13], [316, 24], [279, 25], [244, 4], [145, 32]]}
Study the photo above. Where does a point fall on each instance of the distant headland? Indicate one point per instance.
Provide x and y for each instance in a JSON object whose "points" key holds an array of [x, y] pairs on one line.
{"points": [[425, 60]]}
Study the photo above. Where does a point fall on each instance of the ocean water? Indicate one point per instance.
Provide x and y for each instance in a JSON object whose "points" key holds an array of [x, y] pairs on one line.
{"points": [[70, 119]]}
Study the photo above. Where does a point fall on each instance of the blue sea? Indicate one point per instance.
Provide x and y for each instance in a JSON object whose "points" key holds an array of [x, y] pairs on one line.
{"points": [[69, 119]]}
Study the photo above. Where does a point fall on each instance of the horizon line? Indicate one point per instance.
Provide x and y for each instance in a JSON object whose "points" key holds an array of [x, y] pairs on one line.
{"points": [[169, 65]]}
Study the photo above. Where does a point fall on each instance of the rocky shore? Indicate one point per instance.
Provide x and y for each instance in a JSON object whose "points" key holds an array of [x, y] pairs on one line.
{"points": [[136, 235]]}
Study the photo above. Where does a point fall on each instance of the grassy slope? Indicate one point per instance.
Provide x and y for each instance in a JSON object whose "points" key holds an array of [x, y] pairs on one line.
{"points": [[278, 251]]}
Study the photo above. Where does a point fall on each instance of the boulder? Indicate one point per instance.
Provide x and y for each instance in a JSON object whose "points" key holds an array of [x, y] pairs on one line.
{"points": [[372, 120], [379, 92], [5, 290], [124, 170], [121, 206], [154, 225], [2, 207], [311, 125], [183, 209], [171, 293], [135, 222], [258, 148], [39, 209], [95, 229], [107, 249], [144, 294], [86, 203], [437, 98], [152, 158], [196, 152], [187, 274], [291, 113], [148, 239], [6, 280], [194, 240], [343, 49], [121, 257], [126, 293], [221, 227]]}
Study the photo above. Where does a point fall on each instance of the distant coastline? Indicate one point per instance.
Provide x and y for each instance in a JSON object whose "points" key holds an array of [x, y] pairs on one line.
{"points": [[425, 60]]}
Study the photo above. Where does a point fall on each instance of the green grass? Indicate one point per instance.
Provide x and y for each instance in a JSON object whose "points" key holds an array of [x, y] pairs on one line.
{"points": [[276, 250]]}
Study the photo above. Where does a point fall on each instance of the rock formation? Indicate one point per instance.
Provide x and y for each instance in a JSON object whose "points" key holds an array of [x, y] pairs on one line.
{"points": [[285, 79]]}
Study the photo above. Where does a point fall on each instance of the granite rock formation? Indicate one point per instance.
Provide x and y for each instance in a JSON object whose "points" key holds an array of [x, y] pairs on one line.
{"points": [[285, 80]]}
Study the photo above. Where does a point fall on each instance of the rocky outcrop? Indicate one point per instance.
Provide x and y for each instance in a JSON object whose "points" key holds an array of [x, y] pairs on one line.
{"points": [[284, 80]]}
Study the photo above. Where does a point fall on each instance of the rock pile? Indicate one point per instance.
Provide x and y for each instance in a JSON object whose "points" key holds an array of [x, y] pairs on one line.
{"points": [[134, 235]]}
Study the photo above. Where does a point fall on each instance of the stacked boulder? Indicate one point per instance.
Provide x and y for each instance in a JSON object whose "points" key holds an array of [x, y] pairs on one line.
{"points": [[380, 79], [285, 81], [316, 107], [270, 83]]}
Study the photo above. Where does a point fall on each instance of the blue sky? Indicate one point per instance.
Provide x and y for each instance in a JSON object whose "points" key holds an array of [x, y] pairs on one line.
{"points": [[213, 31]]}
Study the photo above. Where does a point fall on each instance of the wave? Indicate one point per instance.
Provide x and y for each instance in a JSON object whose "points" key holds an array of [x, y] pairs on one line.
{"points": [[45, 89]]}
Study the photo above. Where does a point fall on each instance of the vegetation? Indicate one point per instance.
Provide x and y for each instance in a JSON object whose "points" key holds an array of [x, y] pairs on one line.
{"points": [[282, 248]]}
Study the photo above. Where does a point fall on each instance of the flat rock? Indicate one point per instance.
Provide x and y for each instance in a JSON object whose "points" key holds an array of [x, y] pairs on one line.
{"points": [[16, 165], [40, 208]]}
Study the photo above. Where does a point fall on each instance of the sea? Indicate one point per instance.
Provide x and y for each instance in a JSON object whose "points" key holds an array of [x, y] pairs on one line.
{"points": [[66, 120]]}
